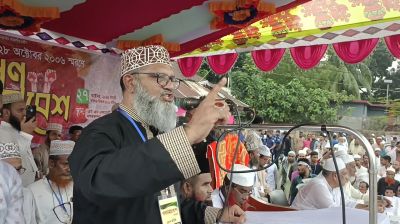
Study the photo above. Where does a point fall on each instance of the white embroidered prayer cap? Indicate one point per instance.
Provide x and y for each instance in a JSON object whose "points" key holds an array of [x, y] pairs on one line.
{"points": [[12, 98], [302, 152], [253, 140], [54, 127], [9, 150], [242, 179], [356, 156], [292, 153], [391, 169], [141, 56], [377, 149], [264, 150], [59, 147], [347, 158], [330, 166]]}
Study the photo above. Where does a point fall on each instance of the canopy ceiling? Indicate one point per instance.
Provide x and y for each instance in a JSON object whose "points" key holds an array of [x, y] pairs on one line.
{"points": [[182, 22]]}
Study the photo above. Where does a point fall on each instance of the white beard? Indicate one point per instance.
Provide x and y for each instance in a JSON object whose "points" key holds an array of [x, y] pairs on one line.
{"points": [[155, 112]]}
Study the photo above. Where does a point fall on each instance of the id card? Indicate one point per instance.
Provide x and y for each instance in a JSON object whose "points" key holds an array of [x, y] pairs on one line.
{"points": [[169, 210]]}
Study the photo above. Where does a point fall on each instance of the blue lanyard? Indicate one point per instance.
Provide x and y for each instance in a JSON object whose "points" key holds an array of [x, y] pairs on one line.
{"points": [[60, 201], [126, 115]]}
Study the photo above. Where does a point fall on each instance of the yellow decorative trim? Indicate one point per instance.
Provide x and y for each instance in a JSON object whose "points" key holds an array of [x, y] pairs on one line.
{"points": [[154, 40]]}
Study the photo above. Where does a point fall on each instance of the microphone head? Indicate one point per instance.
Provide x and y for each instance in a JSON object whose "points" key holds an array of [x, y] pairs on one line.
{"points": [[188, 103]]}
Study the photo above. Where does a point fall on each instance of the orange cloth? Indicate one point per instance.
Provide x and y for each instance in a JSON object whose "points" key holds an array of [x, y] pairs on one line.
{"points": [[226, 150]]}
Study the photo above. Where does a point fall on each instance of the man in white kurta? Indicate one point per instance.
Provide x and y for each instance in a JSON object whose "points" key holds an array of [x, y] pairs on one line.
{"points": [[242, 187], [323, 191], [13, 122], [11, 198], [10, 153], [53, 193]]}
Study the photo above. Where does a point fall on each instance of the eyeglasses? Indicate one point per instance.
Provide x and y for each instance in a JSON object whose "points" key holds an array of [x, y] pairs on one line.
{"points": [[21, 170], [162, 79], [244, 192], [64, 212]]}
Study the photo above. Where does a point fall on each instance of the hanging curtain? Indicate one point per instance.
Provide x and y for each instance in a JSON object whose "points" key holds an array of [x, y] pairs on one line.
{"points": [[190, 66], [353, 52], [307, 57], [221, 64], [393, 44], [267, 60]]}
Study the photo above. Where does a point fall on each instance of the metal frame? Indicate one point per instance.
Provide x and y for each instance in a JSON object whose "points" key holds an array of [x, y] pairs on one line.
{"points": [[373, 184]]}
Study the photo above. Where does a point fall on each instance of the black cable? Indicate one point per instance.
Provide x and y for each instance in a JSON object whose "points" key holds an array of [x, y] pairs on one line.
{"points": [[323, 128]]}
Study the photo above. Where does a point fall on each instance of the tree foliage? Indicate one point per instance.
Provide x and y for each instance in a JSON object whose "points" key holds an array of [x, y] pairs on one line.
{"points": [[291, 102]]}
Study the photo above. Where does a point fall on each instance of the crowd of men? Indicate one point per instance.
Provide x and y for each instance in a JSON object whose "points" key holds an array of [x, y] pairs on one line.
{"points": [[131, 165]]}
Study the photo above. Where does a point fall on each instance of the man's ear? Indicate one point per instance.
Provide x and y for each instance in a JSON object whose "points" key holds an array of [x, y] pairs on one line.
{"points": [[129, 83], [52, 163], [187, 189]]}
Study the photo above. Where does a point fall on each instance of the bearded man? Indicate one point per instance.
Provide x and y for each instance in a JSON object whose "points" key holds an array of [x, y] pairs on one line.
{"points": [[53, 194], [14, 122], [125, 163]]}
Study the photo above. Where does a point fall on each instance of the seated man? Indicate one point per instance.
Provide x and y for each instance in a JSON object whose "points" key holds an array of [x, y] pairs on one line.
{"points": [[323, 191], [53, 194], [303, 166], [242, 187]]}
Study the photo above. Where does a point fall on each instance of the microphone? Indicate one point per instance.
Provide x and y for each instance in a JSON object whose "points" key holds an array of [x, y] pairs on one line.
{"points": [[188, 103]]}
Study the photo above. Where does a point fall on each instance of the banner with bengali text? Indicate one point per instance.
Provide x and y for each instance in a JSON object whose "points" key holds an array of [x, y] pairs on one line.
{"points": [[67, 86]]}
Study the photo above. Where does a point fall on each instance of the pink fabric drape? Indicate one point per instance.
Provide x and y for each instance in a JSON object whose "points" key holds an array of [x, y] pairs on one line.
{"points": [[221, 64], [353, 52], [307, 57], [267, 60], [393, 44], [190, 66]]}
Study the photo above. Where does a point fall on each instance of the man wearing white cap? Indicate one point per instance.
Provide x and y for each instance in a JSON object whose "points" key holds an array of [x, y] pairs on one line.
{"points": [[10, 153], [272, 170], [242, 187], [11, 195], [53, 193], [387, 181], [348, 188], [41, 153], [15, 123], [123, 161], [303, 166], [261, 188], [288, 165], [323, 191]]}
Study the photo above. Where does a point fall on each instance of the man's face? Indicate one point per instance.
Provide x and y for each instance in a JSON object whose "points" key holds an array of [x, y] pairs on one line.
{"points": [[314, 158], [18, 110], [384, 162], [150, 84], [389, 193], [60, 168], [53, 135], [390, 174], [363, 188], [351, 169], [344, 177], [396, 165], [302, 169], [302, 157], [358, 162], [378, 140], [75, 135], [313, 136], [291, 158], [241, 194], [263, 160], [202, 187]]}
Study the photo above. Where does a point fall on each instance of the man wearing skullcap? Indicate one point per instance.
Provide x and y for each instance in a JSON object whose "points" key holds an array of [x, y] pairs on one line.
{"points": [[303, 166], [261, 188], [242, 188], [125, 163], [387, 181], [323, 191], [15, 123], [41, 153], [288, 165], [10, 153], [11, 193], [53, 194]]}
